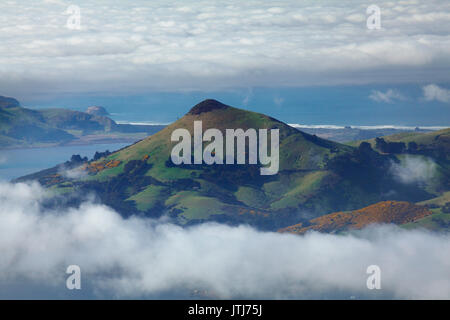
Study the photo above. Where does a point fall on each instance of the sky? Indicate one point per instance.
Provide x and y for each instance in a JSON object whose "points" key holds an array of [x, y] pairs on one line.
{"points": [[276, 56]]}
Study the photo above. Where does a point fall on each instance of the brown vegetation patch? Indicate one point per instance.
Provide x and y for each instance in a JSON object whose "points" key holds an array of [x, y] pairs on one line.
{"points": [[397, 212], [98, 166]]}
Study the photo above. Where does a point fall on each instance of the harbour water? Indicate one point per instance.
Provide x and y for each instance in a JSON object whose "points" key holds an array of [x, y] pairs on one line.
{"points": [[15, 163]]}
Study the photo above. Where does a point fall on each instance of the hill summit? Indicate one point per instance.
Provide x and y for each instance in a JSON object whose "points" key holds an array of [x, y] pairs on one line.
{"points": [[207, 106], [97, 111], [7, 102]]}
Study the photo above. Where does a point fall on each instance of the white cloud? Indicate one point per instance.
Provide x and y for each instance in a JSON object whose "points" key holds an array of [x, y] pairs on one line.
{"points": [[74, 173], [248, 96], [413, 169], [139, 257], [278, 101], [433, 92], [388, 97], [184, 45], [3, 159]]}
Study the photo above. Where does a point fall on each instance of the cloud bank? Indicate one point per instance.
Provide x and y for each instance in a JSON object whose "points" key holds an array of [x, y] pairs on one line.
{"points": [[125, 46], [138, 257]]}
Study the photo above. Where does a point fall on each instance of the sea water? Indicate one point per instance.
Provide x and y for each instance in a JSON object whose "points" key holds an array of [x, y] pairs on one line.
{"points": [[15, 163]]}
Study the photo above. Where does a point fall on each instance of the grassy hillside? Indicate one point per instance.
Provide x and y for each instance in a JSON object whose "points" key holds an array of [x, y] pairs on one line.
{"points": [[316, 176], [437, 221], [440, 219]]}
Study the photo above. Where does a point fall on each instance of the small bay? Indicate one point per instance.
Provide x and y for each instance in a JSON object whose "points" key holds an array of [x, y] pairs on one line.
{"points": [[15, 163]]}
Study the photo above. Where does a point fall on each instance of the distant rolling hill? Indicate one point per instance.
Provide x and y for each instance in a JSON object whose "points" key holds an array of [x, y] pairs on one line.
{"points": [[316, 177], [435, 144], [23, 127], [348, 133], [418, 137]]}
